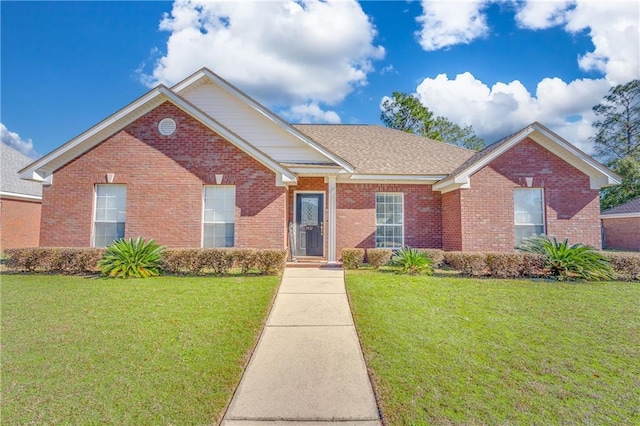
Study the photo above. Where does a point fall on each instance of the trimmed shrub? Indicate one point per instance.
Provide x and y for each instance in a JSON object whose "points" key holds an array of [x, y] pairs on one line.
{"points": [[504, 265], [181, 261], [271, 262], [412, 261], [352, 258], [475, 264], [626, 266], [132, 259], [217, 260], [378, 257], [436, 255], [245, 259], [454, 259], [81, 260], [569, 261], [533, 265]]}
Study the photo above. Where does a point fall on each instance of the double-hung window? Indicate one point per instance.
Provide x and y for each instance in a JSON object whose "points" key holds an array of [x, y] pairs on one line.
{"points": [[110, 214], [219, 216], [529, 212], [389, 220]]}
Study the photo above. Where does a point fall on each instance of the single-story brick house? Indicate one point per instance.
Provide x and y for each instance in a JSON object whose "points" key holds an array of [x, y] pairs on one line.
{"points": [[621, 226], [20, 202], [201, 164]]}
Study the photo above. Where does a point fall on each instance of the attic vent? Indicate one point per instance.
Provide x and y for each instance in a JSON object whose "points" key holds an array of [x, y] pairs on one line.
{"points": [[167, 126]]}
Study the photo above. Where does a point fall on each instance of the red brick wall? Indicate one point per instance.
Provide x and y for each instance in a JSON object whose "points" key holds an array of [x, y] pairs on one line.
{"points": [[165, 177], [622, 233], [572, 209], [356, 215], [20, 223], [451, 221]]}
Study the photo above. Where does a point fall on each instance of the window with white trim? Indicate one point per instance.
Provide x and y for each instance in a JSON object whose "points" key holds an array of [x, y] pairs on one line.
{"points": [[389, 220], [219, 216], [110, 214], [528, 212]]}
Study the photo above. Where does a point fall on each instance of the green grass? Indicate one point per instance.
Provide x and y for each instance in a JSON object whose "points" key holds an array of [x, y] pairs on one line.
{"points": [[453, 350], [162, 350]]}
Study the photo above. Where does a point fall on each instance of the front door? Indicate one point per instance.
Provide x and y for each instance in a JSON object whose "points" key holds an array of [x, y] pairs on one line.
{"points": [[309, 224]]}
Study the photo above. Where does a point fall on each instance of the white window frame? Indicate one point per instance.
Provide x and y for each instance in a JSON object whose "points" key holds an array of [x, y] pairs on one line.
{"points": [[542, 212], [96, 210], [401, 225], [213, 222]]}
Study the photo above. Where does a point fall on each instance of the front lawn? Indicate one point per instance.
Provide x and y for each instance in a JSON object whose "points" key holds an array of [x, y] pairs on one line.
{"points": [[453, 350], [162, 350]]}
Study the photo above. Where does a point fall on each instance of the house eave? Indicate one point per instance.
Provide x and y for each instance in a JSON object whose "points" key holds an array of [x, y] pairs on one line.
{"points": [[20, 197], [620, 215], [389, 178]]}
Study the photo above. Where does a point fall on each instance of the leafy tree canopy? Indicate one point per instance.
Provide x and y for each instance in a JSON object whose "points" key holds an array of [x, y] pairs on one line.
{"points": [[617, 141], [405, 112]]}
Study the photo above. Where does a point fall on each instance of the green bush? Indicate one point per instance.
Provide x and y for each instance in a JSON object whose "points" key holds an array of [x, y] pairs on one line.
{"points": [[80, 260], [352, 258], [569, 261], [412, 261], [132, 259], [436, 255], [217, 260], [377, 257], [271, 262]]}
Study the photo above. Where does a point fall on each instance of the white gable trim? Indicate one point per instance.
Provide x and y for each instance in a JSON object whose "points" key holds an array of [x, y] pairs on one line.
{"points": [[598, 174], [619, 215], [41, 170], [22, 197], [234, 91]]}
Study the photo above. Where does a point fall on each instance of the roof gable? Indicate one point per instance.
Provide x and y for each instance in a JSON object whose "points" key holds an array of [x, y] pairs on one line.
{"points": [[42, 169], [599, 175], [254, 122], [10, 183]]}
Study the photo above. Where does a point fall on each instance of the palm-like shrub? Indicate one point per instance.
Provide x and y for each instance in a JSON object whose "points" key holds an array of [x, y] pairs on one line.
{"points": [[569, 261], [412, 261], [131, 259]]}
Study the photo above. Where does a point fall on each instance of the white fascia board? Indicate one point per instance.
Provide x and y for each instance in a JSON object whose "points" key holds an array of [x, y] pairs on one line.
{"points": [[16, 196], [315, 171], [620, 216], [405, 179], [234, 91], [39, 169], [229, 135]]}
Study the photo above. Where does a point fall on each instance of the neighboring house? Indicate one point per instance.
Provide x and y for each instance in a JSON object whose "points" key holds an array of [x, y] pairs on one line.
{"points": [[621, 226], [202, 164], [20, 202]]}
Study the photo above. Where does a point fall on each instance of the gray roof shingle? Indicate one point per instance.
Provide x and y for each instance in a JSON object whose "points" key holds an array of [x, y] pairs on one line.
{"points": [[380, 150], [12, 161], [632, 206]]}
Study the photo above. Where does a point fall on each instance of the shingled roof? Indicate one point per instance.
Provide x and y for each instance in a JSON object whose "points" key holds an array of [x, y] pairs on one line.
{"points": [[630, 207], [380, 150], [10, 182]]}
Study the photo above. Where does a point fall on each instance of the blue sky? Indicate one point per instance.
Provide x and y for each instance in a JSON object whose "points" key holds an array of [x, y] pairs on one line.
{"points": [[497, 65]]}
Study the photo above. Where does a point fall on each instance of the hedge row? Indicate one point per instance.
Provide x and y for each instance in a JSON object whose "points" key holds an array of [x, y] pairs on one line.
{"points": [[626, 266], [174, 261], [353, 258]]}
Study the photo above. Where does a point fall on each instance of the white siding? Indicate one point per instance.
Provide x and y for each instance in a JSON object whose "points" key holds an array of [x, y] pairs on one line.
{"points": [[253, 126]]}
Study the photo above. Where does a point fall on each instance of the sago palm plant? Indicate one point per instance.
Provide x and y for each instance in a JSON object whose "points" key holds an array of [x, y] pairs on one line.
{"points": [[131, 259], [569, 261], [412, 261]]}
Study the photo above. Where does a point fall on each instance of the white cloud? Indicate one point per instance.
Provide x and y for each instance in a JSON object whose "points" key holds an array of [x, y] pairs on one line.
{"points": [[311, 113], [283, 52], [445, 24], [15, 141], [542, 14], [506, 107]]}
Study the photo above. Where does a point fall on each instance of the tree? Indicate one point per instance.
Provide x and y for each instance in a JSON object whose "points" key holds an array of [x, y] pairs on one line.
{"points": [[629, 169], [618, 126], [617, 141], [405, 112]]}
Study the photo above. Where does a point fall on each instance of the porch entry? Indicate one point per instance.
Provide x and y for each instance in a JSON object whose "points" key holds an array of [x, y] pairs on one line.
{"points": [[309, 224]]}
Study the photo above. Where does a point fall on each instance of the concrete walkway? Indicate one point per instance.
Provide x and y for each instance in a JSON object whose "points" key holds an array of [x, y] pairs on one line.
{"points": [[308, 366]]}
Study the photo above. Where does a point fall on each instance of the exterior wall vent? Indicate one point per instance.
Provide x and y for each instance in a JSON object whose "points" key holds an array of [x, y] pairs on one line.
{"points": [[167, 126]]}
